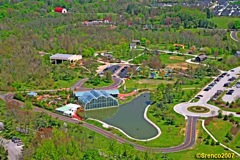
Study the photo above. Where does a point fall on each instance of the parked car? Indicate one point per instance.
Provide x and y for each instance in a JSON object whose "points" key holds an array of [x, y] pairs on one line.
{"points": [[200, 95], [230, 92], [16, 140], [226, 85], [232, 70]]}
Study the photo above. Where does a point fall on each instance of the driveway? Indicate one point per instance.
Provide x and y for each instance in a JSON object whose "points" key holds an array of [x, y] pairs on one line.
{"points": [[14, 151]]}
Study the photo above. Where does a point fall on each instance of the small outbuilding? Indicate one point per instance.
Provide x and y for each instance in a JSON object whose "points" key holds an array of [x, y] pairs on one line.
{"points": [[32, 94], [60, 10], [138, 42], [1, 126], [200, 58], [68, 110], [237, 54], [133, 46], [59, 58]]}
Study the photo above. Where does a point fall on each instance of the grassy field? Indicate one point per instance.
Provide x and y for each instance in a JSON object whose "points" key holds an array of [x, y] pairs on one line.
{"points": [[222, 22], [200, 147], [219, 129], [171, 59], [238, 35], [133, 84], [101, 84]]}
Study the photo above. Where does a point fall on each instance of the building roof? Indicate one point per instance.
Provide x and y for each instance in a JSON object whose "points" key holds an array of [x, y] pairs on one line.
{"points": [[88, 96], [112, 91], [68, 107], [66, 57], [34, 94], [58, 9], [136, 41], [202, 56], [133, 44], [237, 52]]}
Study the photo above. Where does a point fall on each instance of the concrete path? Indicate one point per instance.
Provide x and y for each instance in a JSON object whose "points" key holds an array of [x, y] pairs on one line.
{"points": [[233, 35]]}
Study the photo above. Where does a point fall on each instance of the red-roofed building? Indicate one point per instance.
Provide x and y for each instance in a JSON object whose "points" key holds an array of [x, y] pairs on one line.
{"points": [[60, 10], [107, 20]]}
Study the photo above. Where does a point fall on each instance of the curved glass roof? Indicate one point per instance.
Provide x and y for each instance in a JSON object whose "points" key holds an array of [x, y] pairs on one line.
{"points": [[93, 94]]}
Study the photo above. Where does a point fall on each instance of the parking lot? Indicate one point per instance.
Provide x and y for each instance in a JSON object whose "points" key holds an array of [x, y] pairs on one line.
{"points": [[206, 95], [14, 151], [112, 69], [123, 72]]}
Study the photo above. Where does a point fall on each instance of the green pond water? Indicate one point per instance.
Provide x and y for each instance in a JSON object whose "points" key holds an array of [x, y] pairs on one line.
{"points": [[128, 117]]}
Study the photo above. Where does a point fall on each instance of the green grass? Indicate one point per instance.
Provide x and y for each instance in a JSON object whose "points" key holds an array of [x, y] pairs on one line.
{"points": [[222, 22], [133, 84], [200, 147], [219, 129], [101, 84], [165, 59], [198, 109]]}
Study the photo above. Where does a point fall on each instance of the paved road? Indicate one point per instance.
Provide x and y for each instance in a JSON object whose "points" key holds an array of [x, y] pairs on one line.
{"points": [[188, 143], [233, 35], [14, 151], [206, 96], [79, 85]]}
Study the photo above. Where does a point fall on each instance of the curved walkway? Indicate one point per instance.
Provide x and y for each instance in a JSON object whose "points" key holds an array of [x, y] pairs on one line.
{"points": [[203, 126], [233, 35]]}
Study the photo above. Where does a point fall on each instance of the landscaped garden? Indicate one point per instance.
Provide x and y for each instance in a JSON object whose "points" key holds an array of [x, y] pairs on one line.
{"points": [[226, 130], [198, 109]]}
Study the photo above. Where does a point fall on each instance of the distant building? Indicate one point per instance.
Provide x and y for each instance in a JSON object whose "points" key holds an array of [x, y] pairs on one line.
{"points": [[68, 110], [32, 94], [95, 99], [1, 126], [107, 20], [237, 54], [59, 58], [60, 10], [179, 45], [138, 42], [200, 58], [133, 46]]}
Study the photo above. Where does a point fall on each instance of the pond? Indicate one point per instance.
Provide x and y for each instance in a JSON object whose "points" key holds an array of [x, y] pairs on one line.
{"points": [[129, 118]]}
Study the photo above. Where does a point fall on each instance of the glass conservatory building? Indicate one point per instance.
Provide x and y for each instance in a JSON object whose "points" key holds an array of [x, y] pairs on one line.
{"points": [[95, 99]]}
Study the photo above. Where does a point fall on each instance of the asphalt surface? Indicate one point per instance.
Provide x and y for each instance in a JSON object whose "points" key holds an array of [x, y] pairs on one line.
{"points": [[79, 85], [188, 143], [206, 96]]}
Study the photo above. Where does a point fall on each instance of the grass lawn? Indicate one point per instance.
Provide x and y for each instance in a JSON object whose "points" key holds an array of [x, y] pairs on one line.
{"points": [[196, 83], [170, 59], [200, 147], [222, 22], [238, 35], [219, 129], [101, 84], [133, 84]]}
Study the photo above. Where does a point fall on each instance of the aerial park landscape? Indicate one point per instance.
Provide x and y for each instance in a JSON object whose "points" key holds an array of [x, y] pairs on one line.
{"points": [[119, 80]]}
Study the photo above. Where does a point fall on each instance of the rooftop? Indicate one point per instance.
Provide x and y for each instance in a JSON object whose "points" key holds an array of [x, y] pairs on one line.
{"points": [[112, 91], [66, 57], [68, 107], [93, 94]]}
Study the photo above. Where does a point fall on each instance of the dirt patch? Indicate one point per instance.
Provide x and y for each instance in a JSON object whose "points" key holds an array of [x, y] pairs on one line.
{"points": [[234, 130], [182, 65], [183, 131], [208, 120], [176, 58]]}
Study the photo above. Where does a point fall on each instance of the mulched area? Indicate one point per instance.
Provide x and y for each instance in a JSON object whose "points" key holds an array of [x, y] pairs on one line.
{"points": [[234, 130], [208, 120]]}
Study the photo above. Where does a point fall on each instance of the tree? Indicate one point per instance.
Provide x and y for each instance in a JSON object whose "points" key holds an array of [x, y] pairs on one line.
{"points": [[3, 152], [225, 118], [220, 114], [155, 62], [108, 76]]}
